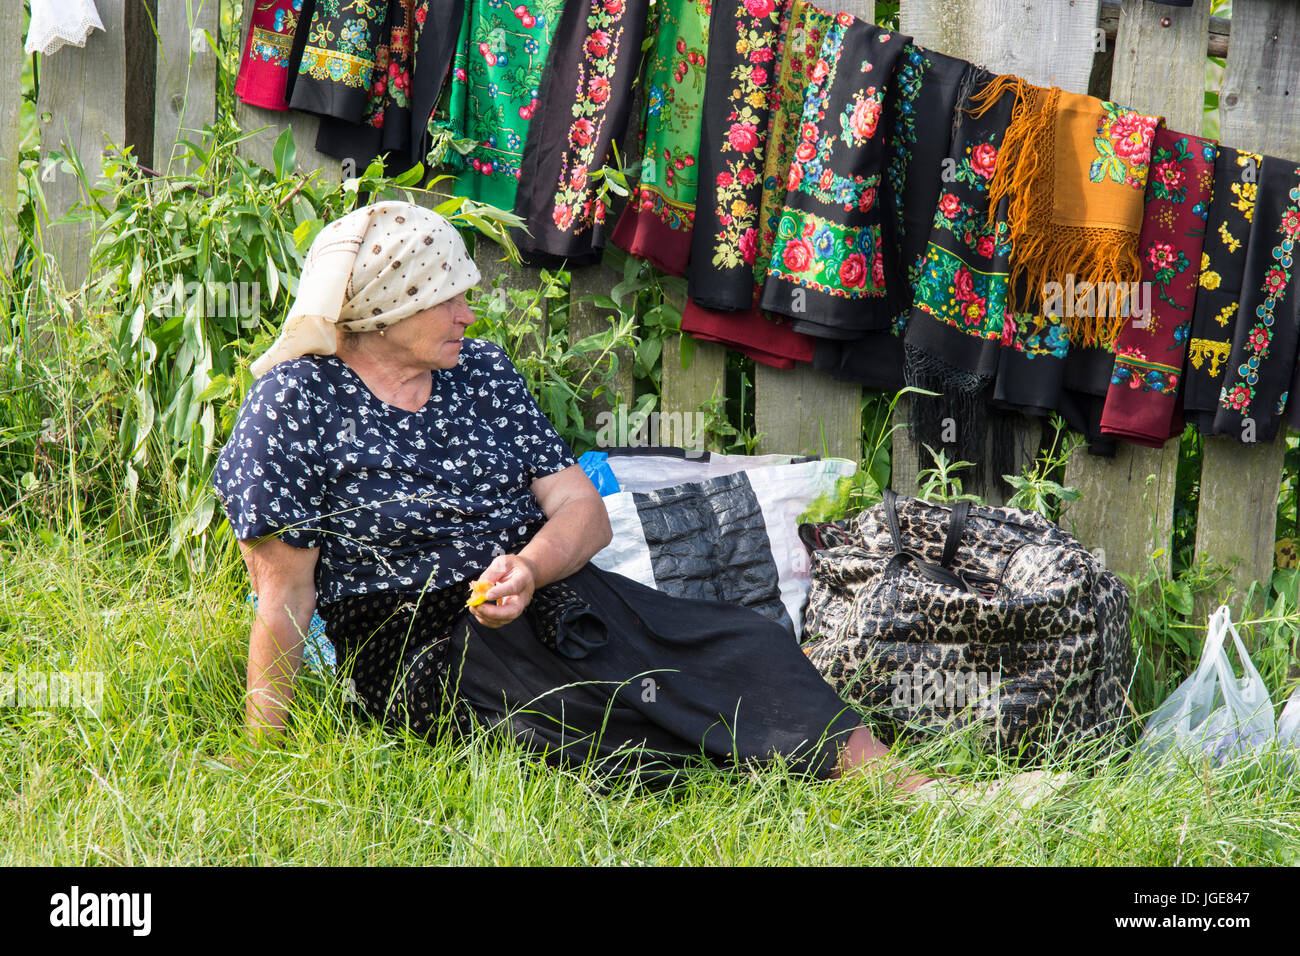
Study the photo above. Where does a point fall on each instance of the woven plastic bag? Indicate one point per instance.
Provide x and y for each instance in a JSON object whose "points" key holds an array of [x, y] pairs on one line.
{"points": [[1213, 713]]}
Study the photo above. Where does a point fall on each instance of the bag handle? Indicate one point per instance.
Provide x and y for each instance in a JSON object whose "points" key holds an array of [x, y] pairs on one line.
{"points": [[941, 573], [956, 527]]}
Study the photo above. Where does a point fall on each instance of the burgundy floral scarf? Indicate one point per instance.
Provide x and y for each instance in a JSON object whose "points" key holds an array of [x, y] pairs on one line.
{"points": [[1142, 406]]}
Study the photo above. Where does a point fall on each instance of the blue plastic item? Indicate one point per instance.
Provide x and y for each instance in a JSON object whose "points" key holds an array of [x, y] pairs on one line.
{"points": [[596, 465]]}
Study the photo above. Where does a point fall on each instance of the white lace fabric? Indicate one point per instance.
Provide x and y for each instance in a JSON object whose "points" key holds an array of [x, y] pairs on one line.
{"points": [[59, 22]]}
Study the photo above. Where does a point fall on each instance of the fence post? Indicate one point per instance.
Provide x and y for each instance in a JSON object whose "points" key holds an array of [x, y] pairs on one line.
{"points": [[803, 410], [186, 74], [585, 317], [81, 108], [12, 25], [1237, 516], [1046, 43], [1158, 70]]}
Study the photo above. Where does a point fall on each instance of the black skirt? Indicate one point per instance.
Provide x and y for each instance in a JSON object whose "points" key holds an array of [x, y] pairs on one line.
{"points": [[599, 669]]}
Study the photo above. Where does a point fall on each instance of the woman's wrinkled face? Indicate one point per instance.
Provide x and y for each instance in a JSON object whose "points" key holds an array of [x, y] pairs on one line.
{"points": [[432, 338]]}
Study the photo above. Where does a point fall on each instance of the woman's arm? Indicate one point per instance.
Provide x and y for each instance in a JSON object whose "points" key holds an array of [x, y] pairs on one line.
{"points": [[283, 577], [577, 526]]}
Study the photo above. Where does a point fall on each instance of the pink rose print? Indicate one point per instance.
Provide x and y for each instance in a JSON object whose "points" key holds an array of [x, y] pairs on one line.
{"points": [[964, 285], [984, 160], [798, 255], [1275, 280], [853, 271], [582, 132], [1239, 398], [598, 89], [866, 113], [1291, 223], [1161, 255], [1170, 174], [949, 205], [1132, 134], [742, 137], [749, 246]]}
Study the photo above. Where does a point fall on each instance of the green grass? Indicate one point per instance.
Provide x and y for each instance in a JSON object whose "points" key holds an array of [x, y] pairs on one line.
{"points": [[141, 782]]}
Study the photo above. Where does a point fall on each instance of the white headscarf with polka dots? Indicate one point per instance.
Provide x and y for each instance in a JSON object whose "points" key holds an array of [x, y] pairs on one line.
{"points": [[367, 270]]}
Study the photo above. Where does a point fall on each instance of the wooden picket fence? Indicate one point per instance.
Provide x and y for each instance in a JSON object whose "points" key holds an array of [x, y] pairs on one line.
{"points": [[131, 86]]}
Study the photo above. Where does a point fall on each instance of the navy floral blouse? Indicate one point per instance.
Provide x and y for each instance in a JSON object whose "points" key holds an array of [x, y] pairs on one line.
{"points": [[395, 500]]}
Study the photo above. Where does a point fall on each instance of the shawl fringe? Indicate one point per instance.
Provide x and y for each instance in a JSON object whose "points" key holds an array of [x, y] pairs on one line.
{"points": [[1043, 251]]}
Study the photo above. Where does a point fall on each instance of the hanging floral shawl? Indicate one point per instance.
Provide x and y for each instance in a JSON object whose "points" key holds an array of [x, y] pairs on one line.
{"points": [[1142, 405], [922, 103], [264, 68], [656, 222], [587, 89], [829, 263], [410, 68], [744, 50], [337, 61], [1074, 170], [496, 80], [1218, 294], [724, 294], [1258, 377], [960, 317]]}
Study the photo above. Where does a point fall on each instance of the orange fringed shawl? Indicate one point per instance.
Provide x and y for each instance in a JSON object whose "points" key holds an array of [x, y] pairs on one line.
{"points": [[1074, 171]]}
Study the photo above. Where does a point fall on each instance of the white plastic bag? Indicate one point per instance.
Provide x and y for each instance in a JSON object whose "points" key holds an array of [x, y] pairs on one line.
{"points": [[1288, 725], [1214, 713]]}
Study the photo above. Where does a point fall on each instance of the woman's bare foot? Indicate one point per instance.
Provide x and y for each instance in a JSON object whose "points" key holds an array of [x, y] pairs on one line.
{"points": [[863, 750]]}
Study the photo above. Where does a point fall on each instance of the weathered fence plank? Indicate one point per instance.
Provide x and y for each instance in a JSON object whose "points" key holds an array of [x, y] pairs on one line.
{"points": [[1046, 43], [13, 26], [1237, 515], [80, 109], [266, 126], [686, 391], [1127, 508], [587, 318], [806, 412], [1043, 42], [185, 96]]}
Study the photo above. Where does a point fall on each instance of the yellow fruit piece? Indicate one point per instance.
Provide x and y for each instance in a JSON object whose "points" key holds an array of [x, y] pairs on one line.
{"points": [[478, 593]]}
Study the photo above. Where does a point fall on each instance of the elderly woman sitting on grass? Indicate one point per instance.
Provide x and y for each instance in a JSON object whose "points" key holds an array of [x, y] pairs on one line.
{"points": [[382, 462]]}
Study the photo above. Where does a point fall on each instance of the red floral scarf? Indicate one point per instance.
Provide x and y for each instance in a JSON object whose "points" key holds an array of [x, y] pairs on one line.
{"points": [[1142, 404]]}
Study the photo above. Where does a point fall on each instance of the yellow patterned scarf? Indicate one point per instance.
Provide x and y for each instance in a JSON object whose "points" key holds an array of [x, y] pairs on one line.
{"points": [[1074, 171]]}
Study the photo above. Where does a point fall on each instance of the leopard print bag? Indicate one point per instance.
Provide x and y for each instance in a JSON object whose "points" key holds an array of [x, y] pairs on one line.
{"points": [[936, 616]]}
